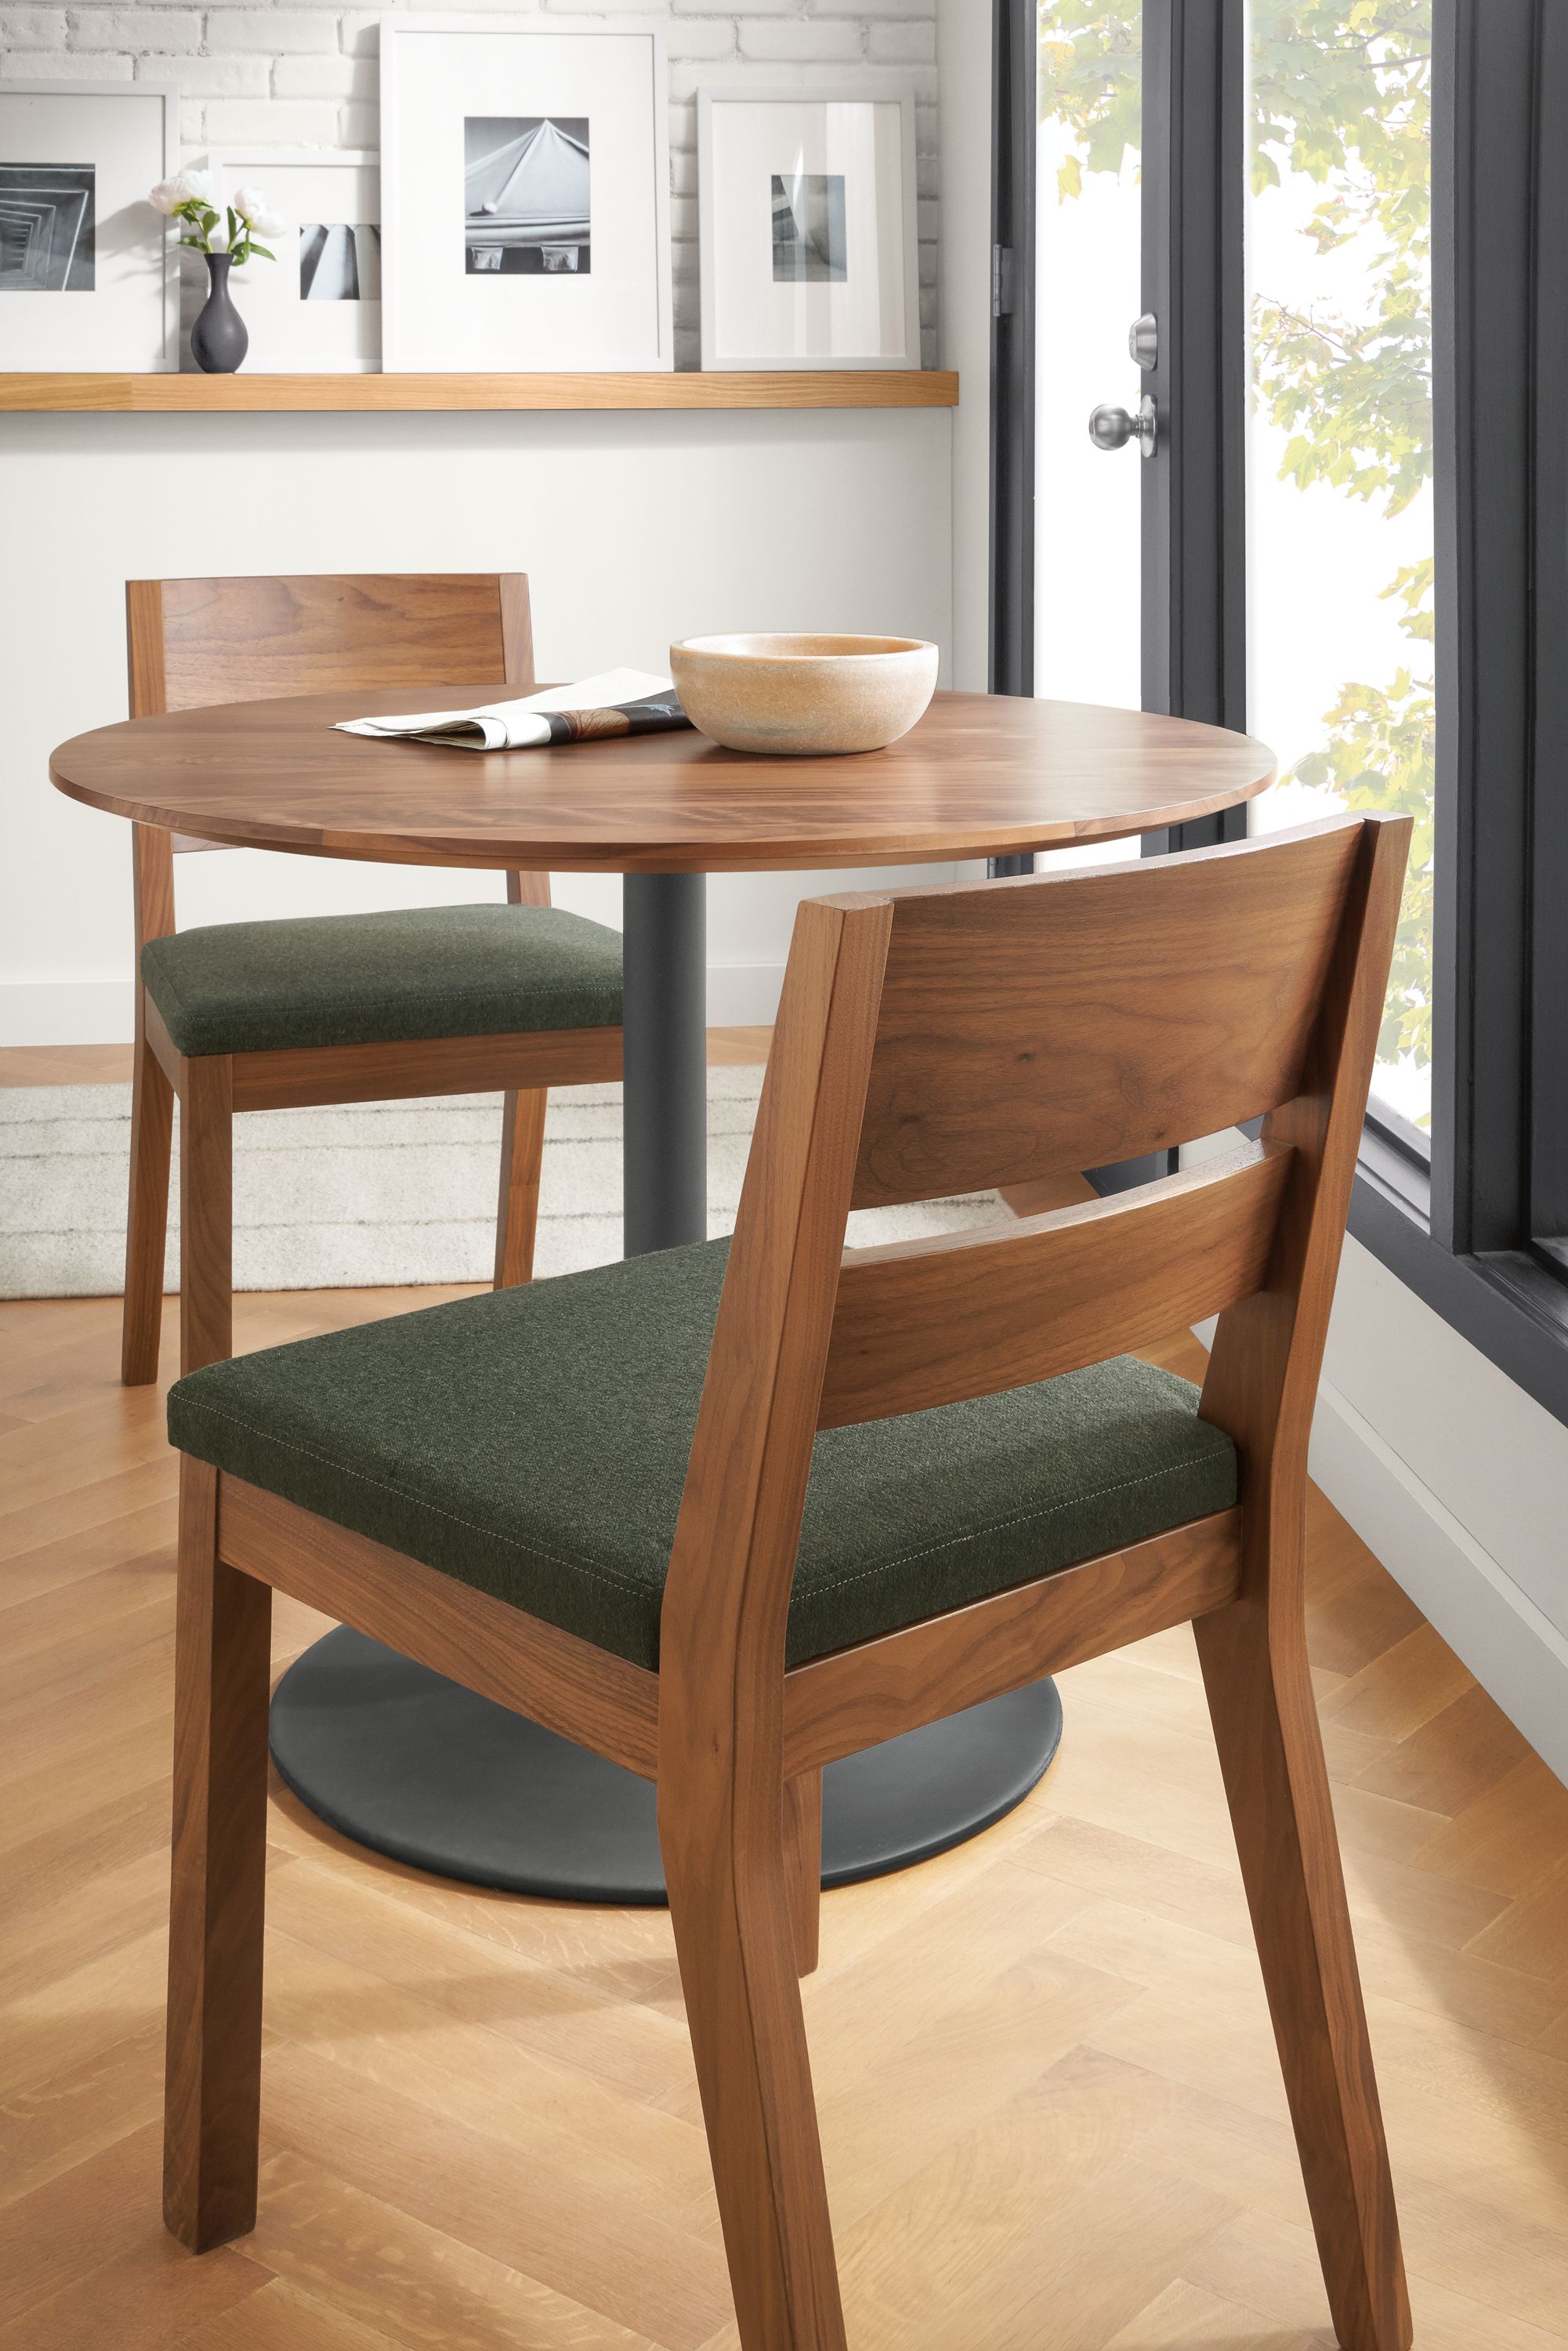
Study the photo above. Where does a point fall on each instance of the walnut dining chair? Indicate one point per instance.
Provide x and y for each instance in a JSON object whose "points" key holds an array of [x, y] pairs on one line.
{"points": [[727, 1513], [343, 1008]]}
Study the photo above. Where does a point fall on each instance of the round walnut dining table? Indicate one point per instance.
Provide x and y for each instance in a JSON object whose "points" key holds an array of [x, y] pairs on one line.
{"points": [[384, 1751]]}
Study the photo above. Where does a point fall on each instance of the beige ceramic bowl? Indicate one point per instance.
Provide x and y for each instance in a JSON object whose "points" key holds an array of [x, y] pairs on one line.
{"points": [[804, 695]]}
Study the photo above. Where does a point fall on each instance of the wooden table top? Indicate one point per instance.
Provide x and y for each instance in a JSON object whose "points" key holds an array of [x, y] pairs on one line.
{"points": [[981, 776]]}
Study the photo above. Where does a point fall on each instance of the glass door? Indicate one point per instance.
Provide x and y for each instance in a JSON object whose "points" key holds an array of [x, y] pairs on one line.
{"points": [[1135, 288], [1088, 280], [1088, 292]]}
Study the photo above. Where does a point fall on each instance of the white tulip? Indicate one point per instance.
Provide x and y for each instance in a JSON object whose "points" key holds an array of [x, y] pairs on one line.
{"points": [[248, 202], [165, 196], [197, 188], [267, 222]]}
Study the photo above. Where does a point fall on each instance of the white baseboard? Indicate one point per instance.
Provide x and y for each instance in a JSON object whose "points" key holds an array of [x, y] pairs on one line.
{"points": [[100, 1012], [743, 995], [66, 1012], [1515, 1652]]}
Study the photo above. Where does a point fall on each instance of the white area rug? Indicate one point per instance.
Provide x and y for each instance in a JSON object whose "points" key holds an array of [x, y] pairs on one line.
{"points": [[383, 1193]]}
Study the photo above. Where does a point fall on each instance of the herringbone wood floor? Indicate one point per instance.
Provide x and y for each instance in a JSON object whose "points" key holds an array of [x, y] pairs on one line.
{"points": [[1050, 2109]]}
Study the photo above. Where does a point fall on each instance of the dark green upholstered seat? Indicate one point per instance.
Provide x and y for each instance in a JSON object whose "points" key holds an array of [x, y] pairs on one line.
{"points": [[371, 979], [533, 1442]]}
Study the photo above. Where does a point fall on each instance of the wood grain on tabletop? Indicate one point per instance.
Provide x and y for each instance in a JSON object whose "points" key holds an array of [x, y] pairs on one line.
{"points": [[980, 775]]}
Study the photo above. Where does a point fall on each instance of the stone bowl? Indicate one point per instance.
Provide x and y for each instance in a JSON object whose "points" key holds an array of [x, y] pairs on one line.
{"points": [[804, 696]]}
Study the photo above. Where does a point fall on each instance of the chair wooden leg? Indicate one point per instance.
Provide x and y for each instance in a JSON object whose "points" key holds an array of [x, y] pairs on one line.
{"points": [[804, 1865], [1265, 1722], [736, 1943], [516, 1215], [213, 2083], [206, 1211], [147, 1218]]}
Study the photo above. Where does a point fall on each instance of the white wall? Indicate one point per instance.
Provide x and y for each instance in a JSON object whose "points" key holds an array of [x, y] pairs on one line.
{"points": [[634, 529]]}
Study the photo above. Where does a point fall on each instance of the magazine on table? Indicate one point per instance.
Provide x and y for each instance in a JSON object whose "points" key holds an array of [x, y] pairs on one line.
{"points": [[616, 701]]}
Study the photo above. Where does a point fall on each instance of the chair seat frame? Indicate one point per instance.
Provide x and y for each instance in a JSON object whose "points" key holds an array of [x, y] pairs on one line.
{"points": [[211, 1088]]}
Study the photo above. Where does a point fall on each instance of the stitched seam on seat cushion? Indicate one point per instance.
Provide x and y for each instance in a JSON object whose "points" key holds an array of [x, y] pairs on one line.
{"points": [[200, 1011], [999, 1526], [450, 993], [509, 1542]]}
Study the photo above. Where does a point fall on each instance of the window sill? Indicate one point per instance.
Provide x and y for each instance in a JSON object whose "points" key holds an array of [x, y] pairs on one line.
{"points": [[1505, 1302], [1396, 1167]]}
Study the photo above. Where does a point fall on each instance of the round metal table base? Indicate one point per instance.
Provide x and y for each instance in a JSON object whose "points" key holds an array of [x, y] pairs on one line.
{"points": [[416, 1767]]}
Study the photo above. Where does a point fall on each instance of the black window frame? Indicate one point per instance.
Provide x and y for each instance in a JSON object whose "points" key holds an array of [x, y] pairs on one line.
{"points": [[1475, 1234], [1474, 1220]]}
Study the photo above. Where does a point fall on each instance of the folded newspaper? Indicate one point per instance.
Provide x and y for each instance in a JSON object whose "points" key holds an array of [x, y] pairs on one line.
{"points": [[617, 701]]}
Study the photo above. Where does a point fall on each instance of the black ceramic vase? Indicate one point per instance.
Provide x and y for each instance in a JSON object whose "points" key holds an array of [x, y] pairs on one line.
{"points": [[218, 338]]}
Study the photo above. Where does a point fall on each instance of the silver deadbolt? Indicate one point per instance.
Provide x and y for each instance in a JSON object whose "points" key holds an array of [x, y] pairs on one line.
{"points": [[1143, 340], [1110, 427]]}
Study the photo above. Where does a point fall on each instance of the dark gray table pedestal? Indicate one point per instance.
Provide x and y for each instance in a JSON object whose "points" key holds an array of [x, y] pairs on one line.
{"points": [[663, 1154]]}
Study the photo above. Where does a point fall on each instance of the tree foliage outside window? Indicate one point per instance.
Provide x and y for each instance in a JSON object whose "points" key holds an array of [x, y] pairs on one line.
{"points": [[1340, 95]]}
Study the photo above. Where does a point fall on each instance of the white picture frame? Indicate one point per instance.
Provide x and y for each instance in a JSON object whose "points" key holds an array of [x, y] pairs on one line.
{"points": [[316, 308], [544, 124], [809, 226], [93, 288]]}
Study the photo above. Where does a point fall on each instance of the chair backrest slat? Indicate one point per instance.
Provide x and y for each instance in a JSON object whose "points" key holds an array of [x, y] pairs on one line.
{"points": [[1069, 1021], [250, 640], [192, 643], [967, 1314]]}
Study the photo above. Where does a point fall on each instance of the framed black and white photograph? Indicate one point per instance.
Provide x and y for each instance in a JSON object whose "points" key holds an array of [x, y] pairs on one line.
{"points": [[48, 218], [316, 308], [808, 222], [525, 189], [809, 245], [89, 259], [524, 194]]}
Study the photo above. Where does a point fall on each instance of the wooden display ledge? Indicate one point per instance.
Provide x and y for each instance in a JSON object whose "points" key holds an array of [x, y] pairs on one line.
{"points": [[122, 395]]}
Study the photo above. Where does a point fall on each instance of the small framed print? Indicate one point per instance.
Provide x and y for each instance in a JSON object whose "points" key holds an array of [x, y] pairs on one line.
{"points": [[525, 191], [316, 309], [89, 277], [809, 228]]}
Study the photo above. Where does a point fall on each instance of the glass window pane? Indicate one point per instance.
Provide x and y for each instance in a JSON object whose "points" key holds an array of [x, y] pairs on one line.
{"points": [[1340, 446]]}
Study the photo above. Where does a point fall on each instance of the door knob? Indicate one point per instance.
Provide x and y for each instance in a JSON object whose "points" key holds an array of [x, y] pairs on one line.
{"points": [[1112, 428]]}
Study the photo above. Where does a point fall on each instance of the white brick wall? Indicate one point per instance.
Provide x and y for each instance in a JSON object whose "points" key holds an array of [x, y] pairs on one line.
{"points": [[305, 76]]}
